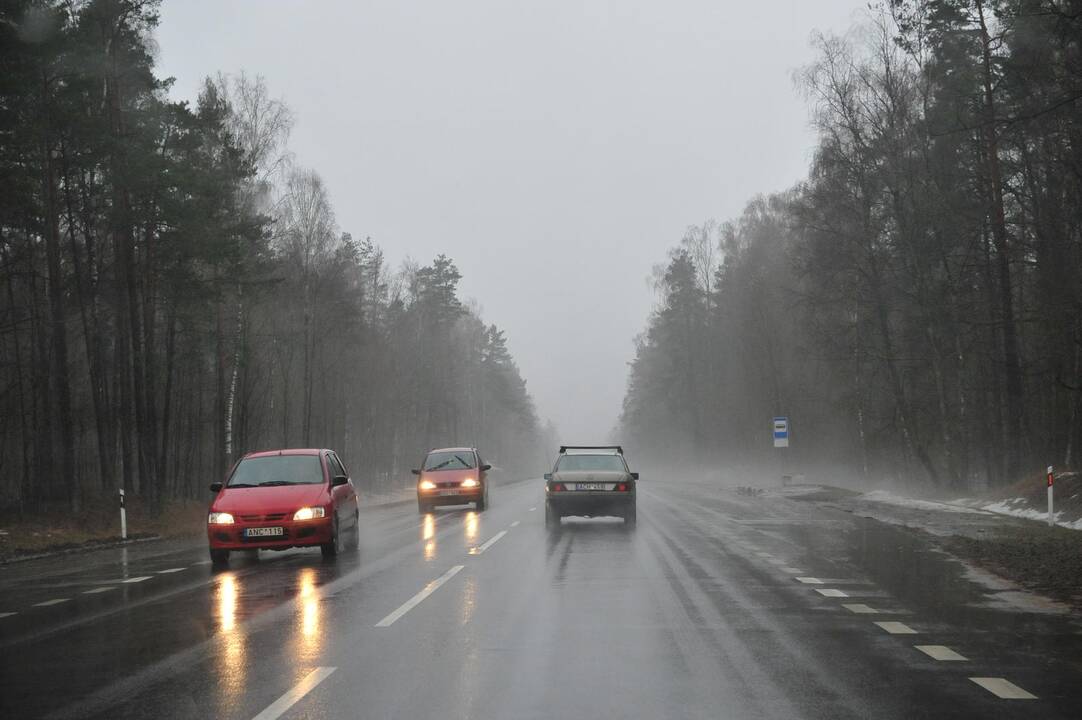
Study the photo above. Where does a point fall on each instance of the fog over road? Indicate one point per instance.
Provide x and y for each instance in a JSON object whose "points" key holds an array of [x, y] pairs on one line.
{"points": [[717, 605]]}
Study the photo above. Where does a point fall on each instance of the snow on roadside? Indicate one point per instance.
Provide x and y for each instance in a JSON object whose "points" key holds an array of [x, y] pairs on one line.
{"points": [[1020, 508], [882, 496]]}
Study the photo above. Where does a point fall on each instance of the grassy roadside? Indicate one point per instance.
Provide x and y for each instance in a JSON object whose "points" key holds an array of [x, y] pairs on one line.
{"points": [[97, 524], [1042, 559]]}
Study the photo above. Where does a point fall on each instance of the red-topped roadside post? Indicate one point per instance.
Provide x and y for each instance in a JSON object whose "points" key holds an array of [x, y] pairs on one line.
{"points": [[1051, 517]]}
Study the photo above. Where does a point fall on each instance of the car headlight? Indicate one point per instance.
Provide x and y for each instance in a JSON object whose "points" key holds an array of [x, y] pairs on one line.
{"points": [[427, 485], [310, 513], [219, 518], [469, 482]]}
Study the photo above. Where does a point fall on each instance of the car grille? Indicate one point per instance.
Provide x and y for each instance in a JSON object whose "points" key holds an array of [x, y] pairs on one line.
{"points": [[260, 518]]}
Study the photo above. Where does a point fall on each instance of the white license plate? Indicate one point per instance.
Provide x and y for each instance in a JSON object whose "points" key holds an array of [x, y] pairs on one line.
{"points": [[590, 486], [264, 532], [449, 491]]}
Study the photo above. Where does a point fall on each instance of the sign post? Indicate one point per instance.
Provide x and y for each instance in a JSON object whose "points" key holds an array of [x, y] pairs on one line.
{"points": [[123, 517], [781, 432], [1051, 517]]}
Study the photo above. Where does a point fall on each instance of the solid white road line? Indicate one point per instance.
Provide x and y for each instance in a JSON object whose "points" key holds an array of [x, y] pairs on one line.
{"points": [[831, 592], [515, 523], [1004, 689], [136, 579], [95, 591], [171, 570], [896, 628], [940, 652], [860, 609], [4, 615], [416, 599], [792, 570], [278, 708], [810, 580], [491, 541], [54, 601]]}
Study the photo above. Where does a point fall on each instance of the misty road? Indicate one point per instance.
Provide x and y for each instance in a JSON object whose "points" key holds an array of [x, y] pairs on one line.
{"points": [[717, 605]]}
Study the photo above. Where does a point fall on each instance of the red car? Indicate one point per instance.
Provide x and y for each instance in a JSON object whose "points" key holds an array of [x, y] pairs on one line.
{"points": [[280, 499], [452, 476]]}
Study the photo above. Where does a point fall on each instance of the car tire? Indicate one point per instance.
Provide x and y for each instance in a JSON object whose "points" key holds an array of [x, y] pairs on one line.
{"points": [[423, 507], [552, 518], [482, 503], [332, 548], [631, 517], [219, 558]]}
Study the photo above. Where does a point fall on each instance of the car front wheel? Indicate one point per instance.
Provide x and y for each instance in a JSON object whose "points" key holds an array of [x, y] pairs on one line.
{"points": [[219, 558], [331, 548]]}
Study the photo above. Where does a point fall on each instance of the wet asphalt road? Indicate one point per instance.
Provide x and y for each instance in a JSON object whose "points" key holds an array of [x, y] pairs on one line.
{"points": [[717, 606]]}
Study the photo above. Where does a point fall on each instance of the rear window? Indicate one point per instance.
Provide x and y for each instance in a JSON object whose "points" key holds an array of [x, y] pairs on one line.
{"points": [[278, 470], [590, 463], [457, 460]]}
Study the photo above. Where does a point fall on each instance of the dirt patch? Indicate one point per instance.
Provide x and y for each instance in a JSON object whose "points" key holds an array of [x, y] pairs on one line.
{"points": [[96, 525], [1042, 559]]}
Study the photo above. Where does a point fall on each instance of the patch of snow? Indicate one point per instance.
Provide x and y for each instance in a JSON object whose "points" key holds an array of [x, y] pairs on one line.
{"points": [[1019, 507], [882, 496]]}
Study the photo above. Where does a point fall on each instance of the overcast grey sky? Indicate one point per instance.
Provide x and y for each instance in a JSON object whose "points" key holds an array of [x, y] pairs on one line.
{"points": [[555, 150]]}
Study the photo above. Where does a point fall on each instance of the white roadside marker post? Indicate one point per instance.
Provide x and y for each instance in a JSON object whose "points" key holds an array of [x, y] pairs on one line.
{"points": [[1051, 517], [123, 517]]}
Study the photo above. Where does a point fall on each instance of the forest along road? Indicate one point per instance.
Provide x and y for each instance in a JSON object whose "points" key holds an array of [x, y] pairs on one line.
{"points": [[717, 605]]}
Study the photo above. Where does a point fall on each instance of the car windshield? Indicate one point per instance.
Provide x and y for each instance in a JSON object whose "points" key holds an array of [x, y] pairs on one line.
{"points": [[450, 460], [277, 470], [587, 463]]}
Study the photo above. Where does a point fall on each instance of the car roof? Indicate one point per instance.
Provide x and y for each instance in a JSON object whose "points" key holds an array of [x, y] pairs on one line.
{"points": [[591, 451], [286, 451], [452, 449]]}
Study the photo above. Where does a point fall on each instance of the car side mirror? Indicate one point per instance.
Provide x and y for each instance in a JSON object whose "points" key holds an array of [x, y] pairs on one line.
{"points": [[415, 471], [634, 476], [548, 476], [486, 467], [215, 487], [339, 480]]}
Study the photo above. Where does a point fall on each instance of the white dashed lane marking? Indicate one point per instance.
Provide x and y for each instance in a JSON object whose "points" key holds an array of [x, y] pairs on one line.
{"points": [[136, 579], [764, 554], [416, 599], [532, 509], [171, 570], [1004, 689], [491, 541], [940, 652], [202, 562], [54, 601], [278, 708], [810, 580], [896, 628], [4, 615], [831, 592], [95, 591], [860, 608], [515, 523]]}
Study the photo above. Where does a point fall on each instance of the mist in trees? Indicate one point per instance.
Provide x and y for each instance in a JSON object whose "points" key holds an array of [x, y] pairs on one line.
{"points": [[178, 292], [915, 304]]}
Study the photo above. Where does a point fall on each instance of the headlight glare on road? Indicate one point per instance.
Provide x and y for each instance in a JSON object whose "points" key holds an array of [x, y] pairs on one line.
{"points": [[219, 518], [469, 482], [427, 485], [309, 513]]}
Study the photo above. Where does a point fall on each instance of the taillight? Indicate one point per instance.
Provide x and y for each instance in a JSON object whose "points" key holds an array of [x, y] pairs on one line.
{"points": [[558, 487], [621, 487]]}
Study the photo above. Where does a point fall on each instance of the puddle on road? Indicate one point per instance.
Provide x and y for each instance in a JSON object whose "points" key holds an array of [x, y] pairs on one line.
{"points": [[927, 581]]}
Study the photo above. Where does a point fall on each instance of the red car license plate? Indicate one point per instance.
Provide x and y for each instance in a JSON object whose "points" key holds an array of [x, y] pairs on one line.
{"points": [[264, 532]]}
